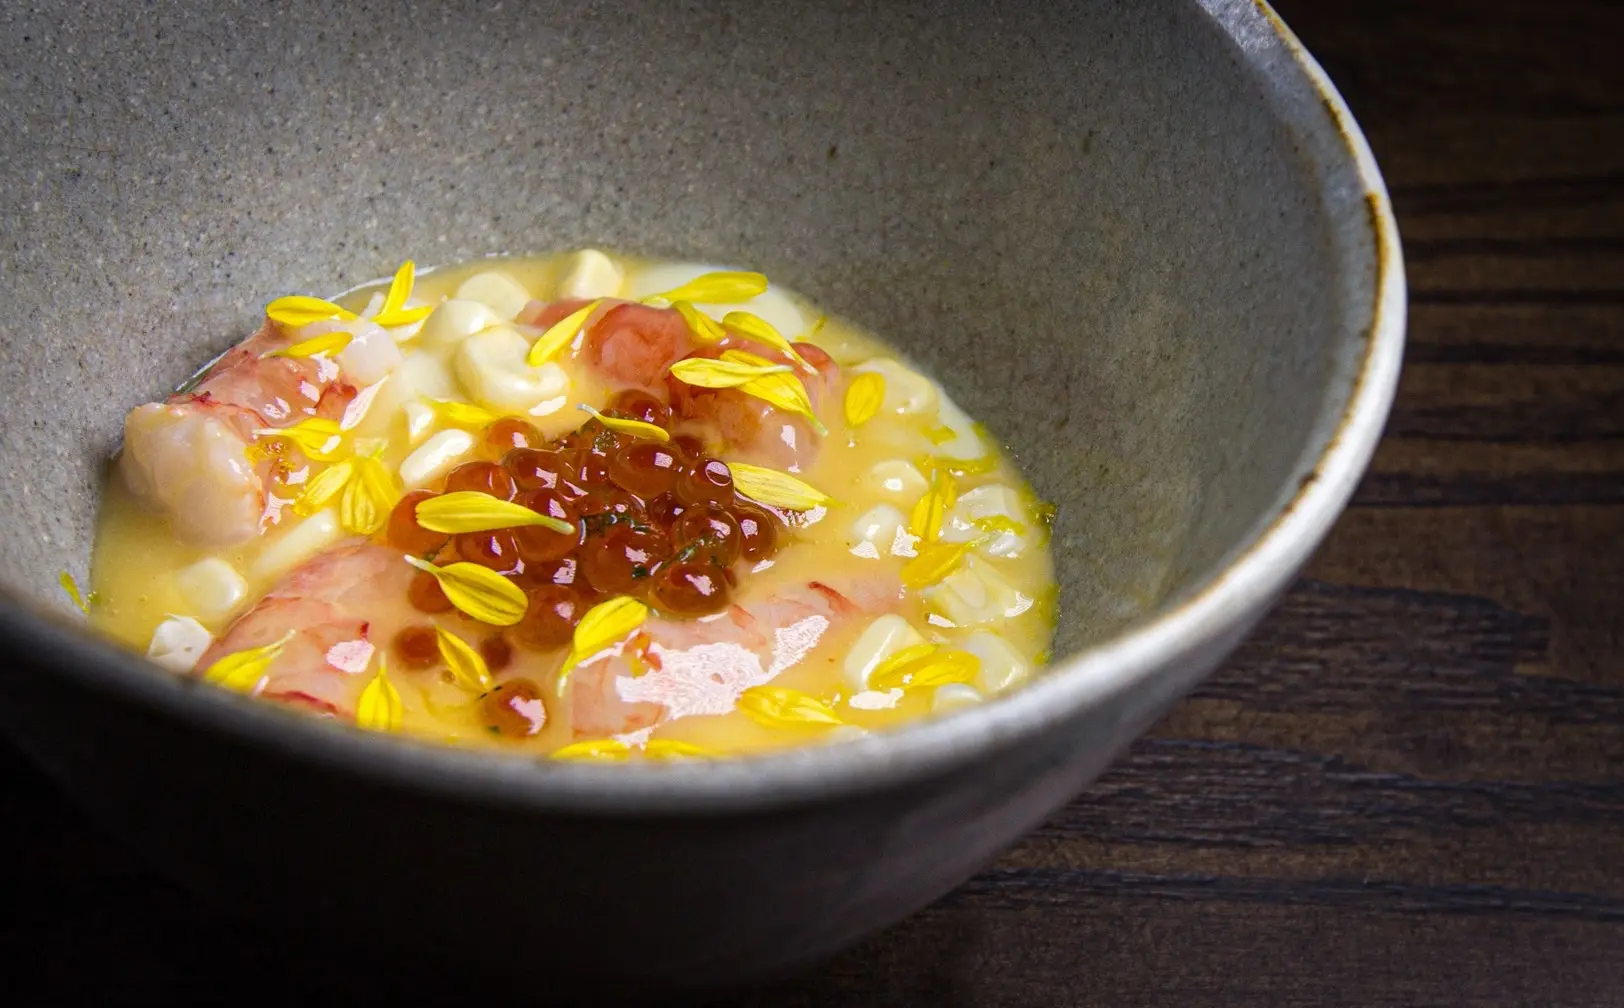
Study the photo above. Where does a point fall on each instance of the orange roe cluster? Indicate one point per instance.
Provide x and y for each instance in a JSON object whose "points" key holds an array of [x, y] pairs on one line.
{"points": [[655, 520]]}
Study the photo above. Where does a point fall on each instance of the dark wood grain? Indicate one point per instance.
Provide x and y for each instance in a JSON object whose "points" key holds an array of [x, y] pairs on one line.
{"points": [[1407, 788]]}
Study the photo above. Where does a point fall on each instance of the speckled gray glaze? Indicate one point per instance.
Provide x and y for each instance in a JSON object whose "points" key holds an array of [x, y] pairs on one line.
{"points": [[1142, 241]]}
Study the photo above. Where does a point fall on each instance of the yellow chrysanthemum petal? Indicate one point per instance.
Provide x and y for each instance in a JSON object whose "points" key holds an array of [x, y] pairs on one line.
{"points": [[664, 749], [71, 587], [559, 335], [718, 287], [863, 398], [605, 750], [400, 288], [705, 329], [327, 485], [636, 428], [297, 310], [931, 667], [476, 511], [467, 665], [776, 706], [368, 497], [317, 438], [603, 625], [934, 562], [759, 329], [464, 414], [706, 373], [315, 346], [243, 670], [379, 707], [478, 591], [778, 489]]}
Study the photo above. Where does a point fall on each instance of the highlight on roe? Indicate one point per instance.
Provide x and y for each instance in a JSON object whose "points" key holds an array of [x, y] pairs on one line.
{"points": [[579, 506]]}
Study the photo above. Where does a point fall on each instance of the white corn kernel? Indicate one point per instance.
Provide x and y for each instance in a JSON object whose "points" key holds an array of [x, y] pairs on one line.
{"points": [[1001, 665], [212, 588], [896, 480], [953, 696], [907, 392], [875, 530], [372, 354], [420, 417], [965, 443], [994, 500], [496, 290], [435, 457], [491, 367], [178, 643], [975, 594], [455, 321], [884, 637], [590, 274], [297, 544]]}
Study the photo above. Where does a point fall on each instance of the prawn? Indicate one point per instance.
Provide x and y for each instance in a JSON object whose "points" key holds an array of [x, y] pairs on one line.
{"points": [[187, 457], [635, 345], [675, 669], [334, 612]]}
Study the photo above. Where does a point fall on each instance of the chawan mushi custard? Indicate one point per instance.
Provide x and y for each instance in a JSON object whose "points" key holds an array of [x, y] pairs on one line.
{"points": [[579, 506]]}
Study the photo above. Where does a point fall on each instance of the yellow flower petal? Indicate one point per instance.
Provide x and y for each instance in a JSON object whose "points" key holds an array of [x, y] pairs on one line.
{"points": [[297, 310], [925, 521], [996, 524], [891, 670], [719, 287], [467, 665], [317, 438], [930, 667], [559, 335], [368, 497], [326, 343], [706, 373], [400, 288], [759, 329], [244, 670], [960, 467], [603, 625], [477, 511], [863, 398], [379, 708], [478, 591], [775, 706], [405, 316], [636, 428], [71, 586], [705, 329], [464, 414], [934, 562], [605, 750], [785, 391], [327, 485], [664, 749], [778, 489]]}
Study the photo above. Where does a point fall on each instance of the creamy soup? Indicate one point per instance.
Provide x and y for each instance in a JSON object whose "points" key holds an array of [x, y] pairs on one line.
{"points": [[577, 506]]}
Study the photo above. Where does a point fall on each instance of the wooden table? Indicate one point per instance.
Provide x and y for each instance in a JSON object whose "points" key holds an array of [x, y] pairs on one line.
{"points": [[1408, 786]]}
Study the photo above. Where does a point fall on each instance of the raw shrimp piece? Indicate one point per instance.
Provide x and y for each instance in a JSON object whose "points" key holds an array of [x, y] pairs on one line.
{"points": [[628, 344], [674, 669], [635, 345], [187, 457], [340, 605], [752, 429]]}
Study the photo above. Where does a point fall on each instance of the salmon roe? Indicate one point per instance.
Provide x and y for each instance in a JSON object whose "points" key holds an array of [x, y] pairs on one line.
{"points": [[657, 520]]}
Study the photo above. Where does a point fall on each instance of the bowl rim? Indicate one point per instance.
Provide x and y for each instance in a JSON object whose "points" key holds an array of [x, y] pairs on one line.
{"points": [[1256, 572]]}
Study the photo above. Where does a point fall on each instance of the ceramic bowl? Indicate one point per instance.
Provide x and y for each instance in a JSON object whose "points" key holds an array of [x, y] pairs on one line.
{"points": [[1145, 243]]}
